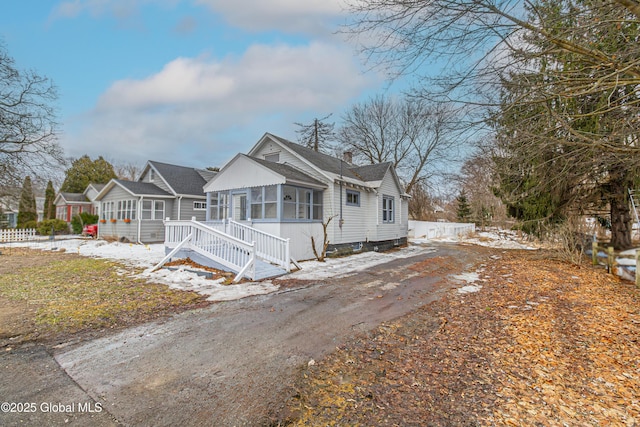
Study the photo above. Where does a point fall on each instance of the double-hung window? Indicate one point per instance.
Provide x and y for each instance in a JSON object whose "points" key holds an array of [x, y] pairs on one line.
{"points": [[388, 209], [153, 209], [126, 209], [107, 210], [353, 198]]}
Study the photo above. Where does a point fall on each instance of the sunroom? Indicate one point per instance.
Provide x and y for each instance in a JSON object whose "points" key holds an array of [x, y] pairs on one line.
{"points": [[272, 197]]}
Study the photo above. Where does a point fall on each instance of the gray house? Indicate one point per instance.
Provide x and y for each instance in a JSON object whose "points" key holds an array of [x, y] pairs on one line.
{"points": [[135, 210]]}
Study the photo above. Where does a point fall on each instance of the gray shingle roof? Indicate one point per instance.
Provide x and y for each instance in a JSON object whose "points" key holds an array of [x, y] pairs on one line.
{"points": [[142, 188], [74, 197], [372, 172], [323, 161], [289, 172], [183, 180]]}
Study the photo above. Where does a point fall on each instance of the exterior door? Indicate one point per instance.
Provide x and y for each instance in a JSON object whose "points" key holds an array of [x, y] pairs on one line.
{"points": [[240, 207]]}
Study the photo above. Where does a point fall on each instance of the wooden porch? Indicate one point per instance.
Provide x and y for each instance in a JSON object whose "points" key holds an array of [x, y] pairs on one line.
{"points": [[240, 249]]}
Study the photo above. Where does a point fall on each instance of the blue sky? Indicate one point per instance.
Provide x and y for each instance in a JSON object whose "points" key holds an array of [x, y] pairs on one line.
{"points": [[190, 82]]}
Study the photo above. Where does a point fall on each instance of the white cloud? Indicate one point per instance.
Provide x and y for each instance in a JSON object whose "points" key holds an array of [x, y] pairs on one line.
{"points": [[185, 112], [298, 16]]}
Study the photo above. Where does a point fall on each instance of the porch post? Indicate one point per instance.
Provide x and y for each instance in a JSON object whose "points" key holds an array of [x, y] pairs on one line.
{"points": [[207, 214]]}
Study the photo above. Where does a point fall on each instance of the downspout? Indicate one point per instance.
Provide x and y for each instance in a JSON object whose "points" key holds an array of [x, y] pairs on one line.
{"points": [[139, 209], [341, 218], [179, 206]]}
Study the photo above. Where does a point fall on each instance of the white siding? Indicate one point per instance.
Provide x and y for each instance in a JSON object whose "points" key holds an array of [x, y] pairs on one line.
{"points": [[397, 229], [243, 173], [358, 225], [286, 157], [299, 235]]}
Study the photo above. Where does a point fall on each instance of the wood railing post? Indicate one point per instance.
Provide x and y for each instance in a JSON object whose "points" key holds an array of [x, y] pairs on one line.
{"points": [[638, 268], [594, 253], [610, 260]]}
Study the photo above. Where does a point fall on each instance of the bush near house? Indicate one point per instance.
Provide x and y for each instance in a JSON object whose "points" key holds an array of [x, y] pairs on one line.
{"points": [[58, 225], [79, 221]]}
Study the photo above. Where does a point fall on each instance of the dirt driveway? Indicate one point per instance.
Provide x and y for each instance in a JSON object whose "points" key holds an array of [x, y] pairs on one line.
{"points": [[234, 363]]}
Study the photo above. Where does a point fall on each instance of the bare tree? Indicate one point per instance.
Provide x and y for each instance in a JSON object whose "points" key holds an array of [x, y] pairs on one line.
{"points": [[128, 171], [559, 78], [27, 124], [412, 134], [317, 134]]}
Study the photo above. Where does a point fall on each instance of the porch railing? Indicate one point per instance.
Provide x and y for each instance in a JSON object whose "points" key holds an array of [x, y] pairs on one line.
{"points": [[270, 248], [222, 248]]}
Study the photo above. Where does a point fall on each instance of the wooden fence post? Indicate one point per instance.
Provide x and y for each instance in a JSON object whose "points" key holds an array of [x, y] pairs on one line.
{"points": [[610, 260], [638, 268], [594, 252]]}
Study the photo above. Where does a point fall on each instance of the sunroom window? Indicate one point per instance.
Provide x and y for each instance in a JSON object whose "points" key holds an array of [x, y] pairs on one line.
{"points": [[301, 203]]}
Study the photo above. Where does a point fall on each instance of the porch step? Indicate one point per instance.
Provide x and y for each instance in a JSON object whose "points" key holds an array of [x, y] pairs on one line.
{"points": [[264, 270]]}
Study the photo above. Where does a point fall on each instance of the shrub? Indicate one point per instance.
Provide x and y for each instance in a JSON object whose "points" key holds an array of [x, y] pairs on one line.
{"points": [[29, 224], [58, 226], [79, 221]]}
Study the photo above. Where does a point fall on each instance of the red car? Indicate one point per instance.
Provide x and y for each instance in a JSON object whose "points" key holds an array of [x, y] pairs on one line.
{"points": [[90, 230]]}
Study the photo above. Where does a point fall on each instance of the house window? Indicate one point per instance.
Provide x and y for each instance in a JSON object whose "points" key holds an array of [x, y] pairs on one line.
{"points": [[388, 211], [127, 209], [199, 206], [353, 198], [61, 212], [301, 203], [219, 206], [272, 157], [151, 175], [107, 210], [153, 209], [264, 202]]}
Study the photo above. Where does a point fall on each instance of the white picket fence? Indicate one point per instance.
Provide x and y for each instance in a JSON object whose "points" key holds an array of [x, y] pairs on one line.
{"points": [[17, 235]]}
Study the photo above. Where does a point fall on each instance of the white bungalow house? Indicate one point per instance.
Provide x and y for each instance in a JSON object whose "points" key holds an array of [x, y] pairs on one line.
{"points": [[136, 210], [287, 191]]}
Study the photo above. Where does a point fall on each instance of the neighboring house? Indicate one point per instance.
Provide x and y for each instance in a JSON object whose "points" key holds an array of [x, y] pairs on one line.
{"points": [[9, 212], [289, 191], [135, 210], [70, 204], [91, 192]]}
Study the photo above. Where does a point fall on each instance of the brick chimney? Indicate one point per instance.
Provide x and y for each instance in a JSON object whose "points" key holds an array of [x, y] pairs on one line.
{"points": [[347, 156]]}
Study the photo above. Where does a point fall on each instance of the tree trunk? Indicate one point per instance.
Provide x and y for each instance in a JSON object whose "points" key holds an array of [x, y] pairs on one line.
{"points": [[620, 218]]}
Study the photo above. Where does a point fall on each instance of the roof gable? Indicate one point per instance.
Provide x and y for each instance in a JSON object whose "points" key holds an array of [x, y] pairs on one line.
{"points": [[181, 180], [234, 175]]}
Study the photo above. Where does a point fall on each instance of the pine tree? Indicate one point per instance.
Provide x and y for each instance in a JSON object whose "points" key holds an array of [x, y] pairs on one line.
{"points": [[84, 171], [27, 209], [49, 197], [464, 210]]}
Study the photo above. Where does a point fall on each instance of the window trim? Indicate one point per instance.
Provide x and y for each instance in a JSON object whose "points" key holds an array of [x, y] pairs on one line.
{"points": [[352, 193], [203, 205], [152, 210], [301, 204], [388, 212]]}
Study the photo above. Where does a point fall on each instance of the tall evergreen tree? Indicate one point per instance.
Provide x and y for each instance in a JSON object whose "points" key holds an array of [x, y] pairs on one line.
{"points": [[27, 208], [84, 171], [463, 211], [564, 144], [49, 197]]}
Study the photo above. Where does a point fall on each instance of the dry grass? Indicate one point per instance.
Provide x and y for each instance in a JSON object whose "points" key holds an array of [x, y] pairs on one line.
{"points": [[77, 293]]}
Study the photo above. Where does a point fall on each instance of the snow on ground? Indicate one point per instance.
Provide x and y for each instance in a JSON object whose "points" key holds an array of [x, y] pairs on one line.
{"points": [[146, 256], [502, 239]]}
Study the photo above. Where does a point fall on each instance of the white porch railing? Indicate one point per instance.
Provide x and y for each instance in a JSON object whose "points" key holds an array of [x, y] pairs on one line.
{"points": [[270, 248], [17, 234], [222, 248]]}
